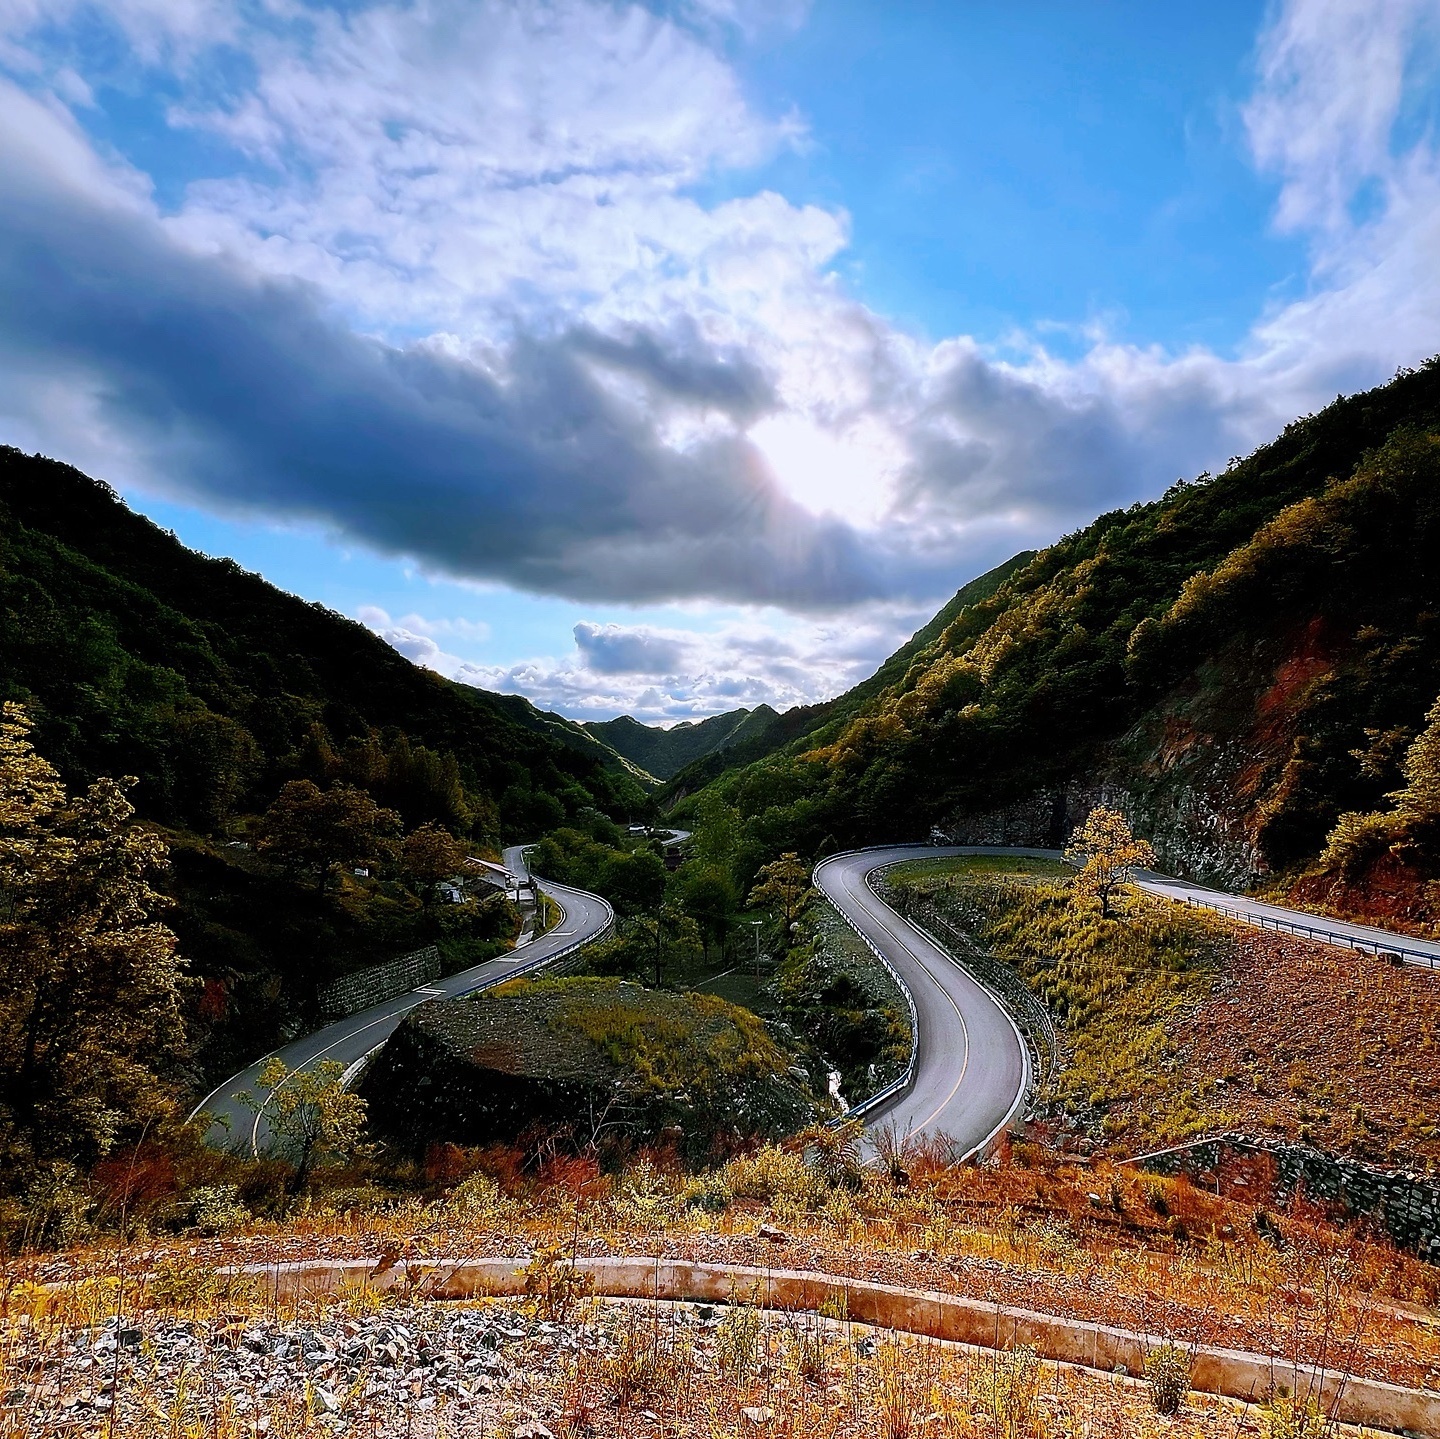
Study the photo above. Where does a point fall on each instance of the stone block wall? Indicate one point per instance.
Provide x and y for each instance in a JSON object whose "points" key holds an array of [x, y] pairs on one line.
{"points": [[1192, 836], [354, 992], [1404, 1206]]}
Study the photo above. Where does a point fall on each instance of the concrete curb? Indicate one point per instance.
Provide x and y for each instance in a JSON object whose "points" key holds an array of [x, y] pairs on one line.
{"points": [[1229, 1373]]}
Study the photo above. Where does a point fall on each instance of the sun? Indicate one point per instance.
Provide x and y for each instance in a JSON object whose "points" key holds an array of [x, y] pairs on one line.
{"points": [[847, 475]]}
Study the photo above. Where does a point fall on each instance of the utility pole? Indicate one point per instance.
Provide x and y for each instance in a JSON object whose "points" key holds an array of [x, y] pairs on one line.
{"points": [[755, 925]]}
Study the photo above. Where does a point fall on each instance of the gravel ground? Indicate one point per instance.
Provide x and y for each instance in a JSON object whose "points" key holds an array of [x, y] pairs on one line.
{"points": [[399, 1371]]}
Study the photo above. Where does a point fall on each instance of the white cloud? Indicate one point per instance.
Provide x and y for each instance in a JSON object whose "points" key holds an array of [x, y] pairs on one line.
{"points": [[662, 675], [1332, 82], [459, 301]]}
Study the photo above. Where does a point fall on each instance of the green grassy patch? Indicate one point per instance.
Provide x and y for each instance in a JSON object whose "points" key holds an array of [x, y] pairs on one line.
{"points": [[946, 867], [739, 986], [665, 1041]]}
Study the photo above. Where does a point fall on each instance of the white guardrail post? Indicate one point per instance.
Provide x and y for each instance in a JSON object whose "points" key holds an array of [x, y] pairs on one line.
{"points": [[896, 1086]]}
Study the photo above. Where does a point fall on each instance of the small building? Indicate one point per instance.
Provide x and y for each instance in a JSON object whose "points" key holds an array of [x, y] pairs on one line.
{"points": [[491, 875]]}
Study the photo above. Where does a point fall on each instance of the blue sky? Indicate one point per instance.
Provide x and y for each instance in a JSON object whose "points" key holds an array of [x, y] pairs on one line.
{"points": [[663, 359]]}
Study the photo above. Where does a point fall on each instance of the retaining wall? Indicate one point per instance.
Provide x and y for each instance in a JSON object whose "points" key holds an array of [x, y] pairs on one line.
{"points": [[1404, 1206], [354, 992], [954, 1318]]}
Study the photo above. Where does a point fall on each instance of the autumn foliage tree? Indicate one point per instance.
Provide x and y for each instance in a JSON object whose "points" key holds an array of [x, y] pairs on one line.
{"points": [[91, 982], [428, 857], [314, 830], [1106, 851], [783, 887], [312, 1118]]}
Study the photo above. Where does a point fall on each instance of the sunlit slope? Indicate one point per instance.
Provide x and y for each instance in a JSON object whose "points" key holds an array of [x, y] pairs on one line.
{"points": [[765, 731], [1240, 661]]}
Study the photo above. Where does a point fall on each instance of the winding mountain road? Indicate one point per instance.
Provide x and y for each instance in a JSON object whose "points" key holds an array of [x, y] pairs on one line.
{"points": [[971, 1069], [584, 917], [971, 1066]]}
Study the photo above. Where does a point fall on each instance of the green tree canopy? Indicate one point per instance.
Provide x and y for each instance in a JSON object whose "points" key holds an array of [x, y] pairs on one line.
{"points": [[633, 883], [707, 895]]}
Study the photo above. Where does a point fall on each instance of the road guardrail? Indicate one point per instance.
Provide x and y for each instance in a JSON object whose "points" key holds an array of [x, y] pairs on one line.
{"points": [[1382, 949]]}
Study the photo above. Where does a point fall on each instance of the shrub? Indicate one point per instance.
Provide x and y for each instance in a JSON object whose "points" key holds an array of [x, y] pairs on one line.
{"points": [[554, 1286], [1167, 1369], [737, 1340], [1009, 1392], [217, 1209], [1287, 1417], [774, 1176]]}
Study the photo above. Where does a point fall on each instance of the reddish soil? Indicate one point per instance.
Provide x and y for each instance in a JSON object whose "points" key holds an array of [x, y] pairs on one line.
{"points": [[1391, 894], [1324, 1046]]}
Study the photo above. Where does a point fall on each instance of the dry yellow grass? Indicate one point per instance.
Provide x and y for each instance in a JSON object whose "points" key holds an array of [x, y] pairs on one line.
{"points": [[1086, 1242]]}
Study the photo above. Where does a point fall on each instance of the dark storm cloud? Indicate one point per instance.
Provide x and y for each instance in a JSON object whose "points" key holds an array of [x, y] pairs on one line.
{"points": [[683, 367], [249, 393]]}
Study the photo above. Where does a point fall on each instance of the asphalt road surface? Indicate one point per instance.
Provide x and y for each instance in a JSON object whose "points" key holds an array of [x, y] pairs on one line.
{"points": [[970, 1064], [970, 1069], [1422, 952], [350, 1040]]}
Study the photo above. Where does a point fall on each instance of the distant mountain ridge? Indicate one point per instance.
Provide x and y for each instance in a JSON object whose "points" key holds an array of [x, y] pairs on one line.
{"points": [[661, 752]]}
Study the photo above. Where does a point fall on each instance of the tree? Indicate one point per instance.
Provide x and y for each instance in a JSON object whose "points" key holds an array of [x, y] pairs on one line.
{"points": [[1106, 852], [783, 887], [1420, 799], [633, 883], [429, 856], [675, 938], [308, 828], [708, 897], [313, 1118], [717, 830], [1411, 830], [90, 982]]}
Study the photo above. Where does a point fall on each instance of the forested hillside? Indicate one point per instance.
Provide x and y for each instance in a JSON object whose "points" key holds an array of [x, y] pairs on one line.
{"points": [[1240, 662], [138, 656], [283, 749]]}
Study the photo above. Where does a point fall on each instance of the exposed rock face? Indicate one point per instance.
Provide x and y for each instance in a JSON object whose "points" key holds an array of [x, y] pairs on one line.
{"points": [[595, 1058], [1192, 835]]}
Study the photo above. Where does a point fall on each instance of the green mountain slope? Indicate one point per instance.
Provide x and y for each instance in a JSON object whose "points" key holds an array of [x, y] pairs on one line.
{"points": [[137, 655], [661, 752], [1237, 663], [811, 724]]}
